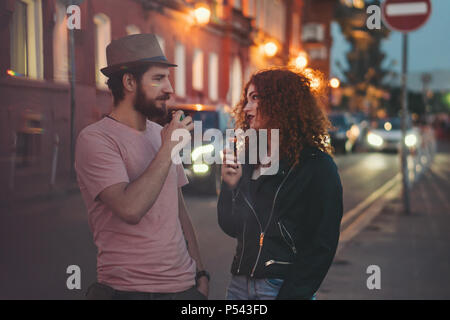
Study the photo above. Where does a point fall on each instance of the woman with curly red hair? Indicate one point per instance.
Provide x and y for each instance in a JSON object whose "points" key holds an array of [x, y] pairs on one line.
{"points": [[286, 224]]}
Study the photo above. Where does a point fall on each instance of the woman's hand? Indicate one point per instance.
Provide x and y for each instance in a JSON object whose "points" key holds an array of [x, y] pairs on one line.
{"points": [[231, 170]]}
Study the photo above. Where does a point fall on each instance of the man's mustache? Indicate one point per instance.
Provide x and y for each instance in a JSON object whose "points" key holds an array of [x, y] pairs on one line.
{"points": [[163, 97]]}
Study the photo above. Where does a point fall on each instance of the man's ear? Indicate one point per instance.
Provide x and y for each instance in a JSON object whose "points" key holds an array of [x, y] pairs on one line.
{"points": [[129, 82]]}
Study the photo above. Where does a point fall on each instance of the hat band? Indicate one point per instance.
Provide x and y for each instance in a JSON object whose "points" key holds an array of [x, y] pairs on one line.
{"points": [[152, 59], [155, 59]]}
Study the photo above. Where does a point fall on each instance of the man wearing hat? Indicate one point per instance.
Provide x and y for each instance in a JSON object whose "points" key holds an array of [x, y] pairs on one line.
{"points": [[146, 243]]}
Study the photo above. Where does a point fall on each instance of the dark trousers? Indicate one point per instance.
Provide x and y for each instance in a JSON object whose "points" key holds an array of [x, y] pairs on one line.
{"points": [[99, 291]]}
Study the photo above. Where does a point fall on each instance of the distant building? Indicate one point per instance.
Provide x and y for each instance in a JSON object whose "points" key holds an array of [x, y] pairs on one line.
{"points": [[215, 60], [439, 80]]}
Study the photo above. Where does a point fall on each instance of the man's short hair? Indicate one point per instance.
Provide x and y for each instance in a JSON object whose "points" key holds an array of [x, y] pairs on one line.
{"points": [[115, 82]]}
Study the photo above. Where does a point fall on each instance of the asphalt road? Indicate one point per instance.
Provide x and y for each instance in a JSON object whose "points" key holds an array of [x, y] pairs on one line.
{"points": [[38, 241]]}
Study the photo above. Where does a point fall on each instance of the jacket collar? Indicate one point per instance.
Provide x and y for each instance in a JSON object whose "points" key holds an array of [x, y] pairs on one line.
{"points": [[284, 166]]}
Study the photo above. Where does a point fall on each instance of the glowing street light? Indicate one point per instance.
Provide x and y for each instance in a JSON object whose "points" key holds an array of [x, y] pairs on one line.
{"points": [[335, 83], [387, 126], [301, 61], [270, 49], [359, 4], [202, 14], [315, 81]]}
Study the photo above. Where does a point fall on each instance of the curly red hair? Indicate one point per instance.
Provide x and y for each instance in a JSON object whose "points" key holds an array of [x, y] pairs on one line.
{"points": [[288, 103]]}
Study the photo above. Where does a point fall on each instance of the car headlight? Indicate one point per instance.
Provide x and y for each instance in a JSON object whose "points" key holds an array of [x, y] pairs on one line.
{"points": [[197, 152], [374, 139], [353, 132], [200, 168], [410, 140]]}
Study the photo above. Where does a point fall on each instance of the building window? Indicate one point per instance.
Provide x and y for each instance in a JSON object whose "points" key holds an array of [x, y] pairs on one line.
{"points": [[29, 140], [132, 29], [197, 70], [313, 32], [213, 77], [295, 31], [319, 53], [26, 39], [162, 43], [60, 48], [236, 81], [259, 14], [250, 8], [180, 71], [28, 149], [218, 9], [102, 39], [270, 17], [276, 19]]}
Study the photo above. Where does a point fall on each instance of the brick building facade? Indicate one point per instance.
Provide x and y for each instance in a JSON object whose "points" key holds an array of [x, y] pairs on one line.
{"points": [[214, 62]]}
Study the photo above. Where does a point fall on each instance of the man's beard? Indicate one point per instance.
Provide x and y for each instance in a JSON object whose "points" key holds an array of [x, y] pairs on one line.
{"points": [[148, 107]]}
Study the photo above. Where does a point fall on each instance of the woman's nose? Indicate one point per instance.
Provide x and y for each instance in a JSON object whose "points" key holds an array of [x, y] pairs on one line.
{"points": [[247, 107]]}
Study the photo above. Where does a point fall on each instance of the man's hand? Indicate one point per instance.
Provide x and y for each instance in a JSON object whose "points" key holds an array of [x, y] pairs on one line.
{"points": [[131, 201], [203, 286], [166, 132]]}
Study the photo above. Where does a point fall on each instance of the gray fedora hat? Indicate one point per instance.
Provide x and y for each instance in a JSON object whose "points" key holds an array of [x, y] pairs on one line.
{"points": [[132, 51]]}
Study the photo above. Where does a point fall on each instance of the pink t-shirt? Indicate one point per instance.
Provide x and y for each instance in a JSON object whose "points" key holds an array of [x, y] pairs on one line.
{"points": [[148, 257]]}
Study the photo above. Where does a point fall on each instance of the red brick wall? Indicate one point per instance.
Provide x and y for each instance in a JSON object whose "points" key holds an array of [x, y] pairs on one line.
{"points": [[52, 100]]}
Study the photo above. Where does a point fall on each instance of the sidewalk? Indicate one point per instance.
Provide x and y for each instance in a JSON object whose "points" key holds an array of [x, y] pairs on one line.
{"points": [[413, 252]]}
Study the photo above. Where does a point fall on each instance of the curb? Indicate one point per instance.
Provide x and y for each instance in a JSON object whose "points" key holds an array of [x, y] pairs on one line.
{"points": [[43, 196], [355, 220]]}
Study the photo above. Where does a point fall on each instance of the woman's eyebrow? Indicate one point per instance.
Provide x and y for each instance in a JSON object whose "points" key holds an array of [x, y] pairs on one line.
{"points": [[250, 93]]}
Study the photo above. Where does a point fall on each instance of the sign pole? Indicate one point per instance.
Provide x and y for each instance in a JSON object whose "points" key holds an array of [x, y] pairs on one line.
{"points": [[405, 16], [403, 149]]}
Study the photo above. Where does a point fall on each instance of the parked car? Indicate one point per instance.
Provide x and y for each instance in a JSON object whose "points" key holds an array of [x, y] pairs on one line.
{"points": [[386, 135], [345, 132], [202, 176], [362, 121]]}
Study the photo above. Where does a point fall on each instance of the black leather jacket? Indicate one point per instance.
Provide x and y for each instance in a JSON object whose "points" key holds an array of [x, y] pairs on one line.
{"points": [[291, 229]]}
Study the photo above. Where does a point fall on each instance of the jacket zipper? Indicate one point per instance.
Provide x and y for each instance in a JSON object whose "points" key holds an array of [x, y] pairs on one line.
{"points": [[261, 236], [292, 244], [234, 196], [243, 247], [270, 262]]}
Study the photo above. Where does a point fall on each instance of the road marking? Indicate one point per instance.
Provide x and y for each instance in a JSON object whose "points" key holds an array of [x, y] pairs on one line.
{"points": [[350, 215], [358, 218], [406, 9]]}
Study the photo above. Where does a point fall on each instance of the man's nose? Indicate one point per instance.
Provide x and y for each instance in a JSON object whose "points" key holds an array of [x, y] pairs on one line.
{"points": [[168, 88]]}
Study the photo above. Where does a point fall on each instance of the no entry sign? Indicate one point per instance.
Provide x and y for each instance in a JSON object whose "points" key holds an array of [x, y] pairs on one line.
{"points": [[406, 15]]}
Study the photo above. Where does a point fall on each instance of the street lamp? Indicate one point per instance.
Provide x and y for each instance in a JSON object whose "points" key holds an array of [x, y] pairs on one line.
{"points": [[315, 82], [202, 14], [313, 77], [359, 4], [301, 61], [270, 49], [335, 83]]}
